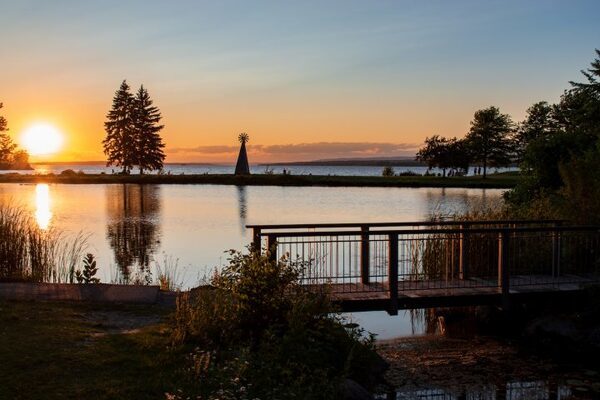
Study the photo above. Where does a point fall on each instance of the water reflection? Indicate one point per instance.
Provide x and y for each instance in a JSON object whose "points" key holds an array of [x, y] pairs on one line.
{"points": [[243, 207], [520, 390], [133, 227], [43, 214]]}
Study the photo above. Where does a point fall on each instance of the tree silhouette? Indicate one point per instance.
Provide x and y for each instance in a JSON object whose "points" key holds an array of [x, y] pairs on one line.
{"points": [[3, 122], [242, 167], [489, 138], [445, 153], [146, 128], [132, 132], [119, 143]]}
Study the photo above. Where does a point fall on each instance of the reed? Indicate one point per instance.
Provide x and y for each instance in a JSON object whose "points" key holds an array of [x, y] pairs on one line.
{"points": [[29, 253]]}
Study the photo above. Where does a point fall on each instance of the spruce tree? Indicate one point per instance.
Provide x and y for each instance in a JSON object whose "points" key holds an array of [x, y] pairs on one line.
{"points": [[149, 144], [119, 143]]}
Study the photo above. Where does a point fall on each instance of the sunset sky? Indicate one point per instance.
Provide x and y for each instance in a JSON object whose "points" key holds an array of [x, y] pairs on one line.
{"points": [[305, 79]]}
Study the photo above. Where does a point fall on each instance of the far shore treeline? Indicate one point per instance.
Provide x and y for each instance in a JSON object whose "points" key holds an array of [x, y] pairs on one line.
{"points": [[550, 144]]}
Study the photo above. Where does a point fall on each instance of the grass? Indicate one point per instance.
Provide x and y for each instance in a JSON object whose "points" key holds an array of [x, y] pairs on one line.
{"points": [[67, 351], [30, 253], [500, 180]]}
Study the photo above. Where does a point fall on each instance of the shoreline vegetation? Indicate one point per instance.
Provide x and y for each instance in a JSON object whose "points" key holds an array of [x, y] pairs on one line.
{"points": [[504, 180]]}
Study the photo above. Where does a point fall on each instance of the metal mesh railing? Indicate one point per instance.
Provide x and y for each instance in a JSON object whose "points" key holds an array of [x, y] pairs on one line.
{"points": [[450, 256]]}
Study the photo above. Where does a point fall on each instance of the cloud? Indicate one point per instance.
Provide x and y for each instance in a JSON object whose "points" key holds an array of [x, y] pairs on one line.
{"points": [[333, 149]]}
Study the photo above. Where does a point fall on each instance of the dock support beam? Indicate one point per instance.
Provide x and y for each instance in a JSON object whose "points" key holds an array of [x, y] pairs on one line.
{"points": [[272, 247], [364, 254], [256, 240], [556, 252], [503, 266], [393, 273], [463, 261]]}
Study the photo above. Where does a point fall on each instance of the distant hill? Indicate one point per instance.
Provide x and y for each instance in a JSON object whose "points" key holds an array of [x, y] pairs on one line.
{"points": [[374, 162]]}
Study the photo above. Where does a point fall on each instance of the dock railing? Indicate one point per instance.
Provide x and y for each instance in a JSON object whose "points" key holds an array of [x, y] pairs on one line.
{"points": [[398, 258]]}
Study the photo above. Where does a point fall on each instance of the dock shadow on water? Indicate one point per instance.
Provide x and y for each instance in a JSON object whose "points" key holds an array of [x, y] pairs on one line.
{"points": [[133, 229]]}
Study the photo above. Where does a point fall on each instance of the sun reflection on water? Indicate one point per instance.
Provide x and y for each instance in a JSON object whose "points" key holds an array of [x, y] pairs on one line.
{"points": [[43, 215]]}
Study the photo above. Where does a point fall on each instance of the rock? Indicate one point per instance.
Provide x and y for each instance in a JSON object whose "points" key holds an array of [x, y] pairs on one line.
{"points": [[554, 326], [354, 391]]}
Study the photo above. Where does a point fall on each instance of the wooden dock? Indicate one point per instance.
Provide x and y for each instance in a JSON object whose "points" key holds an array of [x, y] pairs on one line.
{"points": [[394, 266]]}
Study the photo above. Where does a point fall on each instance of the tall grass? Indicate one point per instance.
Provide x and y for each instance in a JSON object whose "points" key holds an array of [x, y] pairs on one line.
{"points": [[29, 253]]}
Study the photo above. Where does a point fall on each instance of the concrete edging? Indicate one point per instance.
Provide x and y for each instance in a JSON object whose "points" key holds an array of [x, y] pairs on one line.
{"points": [[100, 292]]}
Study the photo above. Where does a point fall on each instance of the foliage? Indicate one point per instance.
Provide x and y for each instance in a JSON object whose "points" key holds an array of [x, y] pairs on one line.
{"points": [[119, 143], [132, 132], [264, 335], [387, 171], [489, 138], [561, 158], [443, 153], [10, 157], [146, 128], [87, 275], [538, 123]]}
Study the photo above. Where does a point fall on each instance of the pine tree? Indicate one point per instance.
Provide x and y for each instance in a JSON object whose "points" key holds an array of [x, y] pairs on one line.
{"points": [[120, 143], [149, 144]]}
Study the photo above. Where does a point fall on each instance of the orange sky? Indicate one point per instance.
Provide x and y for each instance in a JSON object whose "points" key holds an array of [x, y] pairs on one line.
{"points": [[347, 79]]}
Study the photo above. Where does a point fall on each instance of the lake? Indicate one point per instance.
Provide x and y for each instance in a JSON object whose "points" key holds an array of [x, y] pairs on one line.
{"points": [[134, 227], [189, 169]]}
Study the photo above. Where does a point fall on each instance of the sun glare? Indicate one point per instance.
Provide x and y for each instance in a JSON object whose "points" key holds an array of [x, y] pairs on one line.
{"points": [[41, 139]]}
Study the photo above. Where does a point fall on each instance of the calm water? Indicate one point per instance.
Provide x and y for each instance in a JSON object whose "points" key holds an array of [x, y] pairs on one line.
{"points": [[134, 226], [187, 169]]}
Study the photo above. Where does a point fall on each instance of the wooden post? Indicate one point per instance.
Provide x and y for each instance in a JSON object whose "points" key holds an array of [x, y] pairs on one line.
{"points": [[556, 251], [272, 247], [393, 273], [256, 240], [364, 254], [463, 261], [503, 266]]}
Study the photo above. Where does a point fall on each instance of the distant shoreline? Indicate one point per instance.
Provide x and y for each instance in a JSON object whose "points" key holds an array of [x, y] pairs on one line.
{"points": [[494, 181]]}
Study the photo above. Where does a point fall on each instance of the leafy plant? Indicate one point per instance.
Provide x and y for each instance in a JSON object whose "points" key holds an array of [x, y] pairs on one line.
{"points": [[87, 275], [268, 336]]}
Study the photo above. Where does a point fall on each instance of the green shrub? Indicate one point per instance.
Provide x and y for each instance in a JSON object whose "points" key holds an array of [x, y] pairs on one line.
{"points": [[267, 336]]}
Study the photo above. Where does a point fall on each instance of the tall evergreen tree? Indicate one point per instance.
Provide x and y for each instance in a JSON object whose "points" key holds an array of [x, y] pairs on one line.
{"points": [[146, 128], [489, 138], [119, 143]]}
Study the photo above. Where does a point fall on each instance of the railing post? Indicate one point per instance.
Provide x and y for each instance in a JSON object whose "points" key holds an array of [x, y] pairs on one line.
{"points": [[256, 240], [503, 266], [272, 247], [463, 261], [364, 254], [556, 251], [393, 273]]}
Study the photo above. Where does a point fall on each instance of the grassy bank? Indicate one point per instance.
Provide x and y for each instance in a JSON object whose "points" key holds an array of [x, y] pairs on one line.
{"points": [[501, 180], [74, 351]]}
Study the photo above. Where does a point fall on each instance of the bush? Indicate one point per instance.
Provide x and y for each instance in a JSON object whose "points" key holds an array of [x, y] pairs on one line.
{"points": [[267, 336], [387, 171]]}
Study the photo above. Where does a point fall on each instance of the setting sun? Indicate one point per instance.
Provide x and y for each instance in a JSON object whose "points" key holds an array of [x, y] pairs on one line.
{"points": [[41, 139]]}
